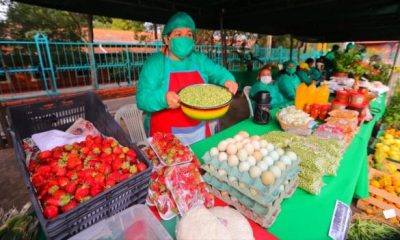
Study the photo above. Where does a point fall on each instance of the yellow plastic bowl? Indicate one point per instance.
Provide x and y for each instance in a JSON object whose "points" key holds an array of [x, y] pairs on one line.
{"points": [[204, 114]]}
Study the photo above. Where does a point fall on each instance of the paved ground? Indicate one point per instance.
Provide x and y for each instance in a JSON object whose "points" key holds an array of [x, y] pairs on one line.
{"points": [[12, 189]]}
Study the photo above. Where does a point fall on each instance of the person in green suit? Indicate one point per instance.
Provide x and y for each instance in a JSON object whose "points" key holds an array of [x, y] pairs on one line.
{"points": [[303, 72], [288, 81], [315, 74], [266, 83], [330, 59], [175, 67]]}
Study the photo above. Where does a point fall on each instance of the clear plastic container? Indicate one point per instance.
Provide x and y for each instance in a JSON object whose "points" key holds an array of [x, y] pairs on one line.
{"points": [[134, 223]]}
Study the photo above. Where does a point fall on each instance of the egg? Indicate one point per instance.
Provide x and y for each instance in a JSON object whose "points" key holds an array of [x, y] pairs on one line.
{"points": [[255, 171], [268, 160], [222, 146], [281, 165], [233, 160], [257, 155], [264, 152], [286, 159], [244, 167], [255, 137], [274, 155], [270, 147], [267, 178], [280, 151], [292, 155], [222, 156], [229, 140], [251, 160], [231, 179], [245, 141], [214, 152], [262, 165], [231, 148], [263, 143], [256, 145], [222, 172], [242, 154], [239, 145], [276, 171], [249, 148], [238, 138], [244, 134]]}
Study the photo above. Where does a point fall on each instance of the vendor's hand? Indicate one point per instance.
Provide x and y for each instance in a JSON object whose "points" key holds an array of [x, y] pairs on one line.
{"points": [[232, 86], [172, 100]]}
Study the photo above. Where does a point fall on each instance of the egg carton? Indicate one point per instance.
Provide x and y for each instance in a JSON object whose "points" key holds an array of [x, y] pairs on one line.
{"points": [[264, 220], [263, 195], [290, 187]]}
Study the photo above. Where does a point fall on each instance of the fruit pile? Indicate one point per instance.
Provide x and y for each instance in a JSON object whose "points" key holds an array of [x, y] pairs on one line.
{"points": [[152, 156], [388, 147], [170, 149], [68, 175], [389, 183]]}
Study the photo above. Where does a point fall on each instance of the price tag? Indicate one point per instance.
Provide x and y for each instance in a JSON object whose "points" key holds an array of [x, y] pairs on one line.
{"points": [[340, 221], [389, 213]]}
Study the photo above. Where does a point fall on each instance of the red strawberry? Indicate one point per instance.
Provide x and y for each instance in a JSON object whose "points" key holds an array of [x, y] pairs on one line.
{"points": [[53, 189], [116, 164], [60, 200], [131, 153], [110, 182], [124, 176], [50, 212], [84, 150], [38, 180], [125, 167], [73, 161], [99, 179], [96, 150], [43, 192], [133, 169], [98, 140], [125, 149], [68, 147], [122, 156], [117, 150], [82, 192], [71, 205], [141, 166], [44, 169], [106, 149], [70, 187], [114, 143], [63, 181], [44, 155], [32, 166], [96, 189]]}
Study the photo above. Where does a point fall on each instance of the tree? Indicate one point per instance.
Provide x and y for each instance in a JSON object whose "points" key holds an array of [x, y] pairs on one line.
{"points": [[118, 24]]}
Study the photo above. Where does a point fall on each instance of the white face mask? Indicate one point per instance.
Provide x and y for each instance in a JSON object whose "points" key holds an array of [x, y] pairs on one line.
{"points": [[266, 79]]}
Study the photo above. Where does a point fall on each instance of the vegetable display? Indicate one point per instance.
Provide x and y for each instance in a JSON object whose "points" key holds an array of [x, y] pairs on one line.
{"points": [[204, 96], [170, 150], [370, 230]]}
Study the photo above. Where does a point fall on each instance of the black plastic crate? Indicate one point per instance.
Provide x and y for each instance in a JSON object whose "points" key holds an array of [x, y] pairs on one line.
{"points": [[61, 113]]}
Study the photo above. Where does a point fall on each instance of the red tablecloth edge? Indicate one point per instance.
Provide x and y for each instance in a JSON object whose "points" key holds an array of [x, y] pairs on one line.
{"points": [[259, 232]]}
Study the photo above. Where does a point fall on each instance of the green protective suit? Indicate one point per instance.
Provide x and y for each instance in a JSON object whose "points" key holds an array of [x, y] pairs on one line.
{"points": [[276, 97], [315, 74], [287, 84], [304, 76], [153, 79], [275, 73]]}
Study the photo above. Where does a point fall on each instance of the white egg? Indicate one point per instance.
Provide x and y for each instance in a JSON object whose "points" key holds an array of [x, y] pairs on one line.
{"points": [[268, 160], [239, 145], [222, 172], [249, 148], [270, 147], [280, 151], [244, 167], [281, 165], [255, 137], [231, 179], [263, 165], [244, 134], [242, 154], [256, 145], [274, 155], [257, 155], [292, 155], [222, 146], [233, 160], [251, 160], [255, 171], [214, 151], [238, 138], [245, 141], [222, 156], [263, 143], [231, 148], [286, 159], [229, 140], [276, 171], [264, 152]]}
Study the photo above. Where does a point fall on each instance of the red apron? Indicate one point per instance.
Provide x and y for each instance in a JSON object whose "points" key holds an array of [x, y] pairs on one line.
{"points": [[174, 120]]}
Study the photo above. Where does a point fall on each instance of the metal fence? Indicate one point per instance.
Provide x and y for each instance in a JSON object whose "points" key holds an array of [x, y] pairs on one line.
{"points": [[41, 67]]}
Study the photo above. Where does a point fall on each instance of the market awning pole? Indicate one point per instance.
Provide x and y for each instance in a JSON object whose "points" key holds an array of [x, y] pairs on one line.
{"points": [[223, 39], [269, 46], [291, 48], [394, 76]]}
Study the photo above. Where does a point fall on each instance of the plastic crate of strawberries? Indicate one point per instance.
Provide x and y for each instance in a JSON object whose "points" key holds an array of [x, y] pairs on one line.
{"points": [[71, 174]]}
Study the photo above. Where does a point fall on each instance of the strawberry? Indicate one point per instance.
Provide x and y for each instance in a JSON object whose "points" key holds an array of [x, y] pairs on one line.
{"points": [[125, 150], [38, 180], [71, 205], [44, 169], [50, 212], [124, 176], [96, 150], [125, 167], [32, 166], [106, 149], [99, 179], [73, 161], [60, 200], [63, 181], [98, 140], [122, 156], [53, 189], [133, 169], [84, 150], [43, 192], [114, 143], [96, 189], [131, 153], [81, 192], [110, 182], [116, 164], [68, 147], [70, 187], [117, 150], [44, 155], [141, 166]]}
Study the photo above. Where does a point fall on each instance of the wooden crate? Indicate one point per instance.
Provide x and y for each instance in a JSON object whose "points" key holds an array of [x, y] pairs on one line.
{"points": [[379, 199]]}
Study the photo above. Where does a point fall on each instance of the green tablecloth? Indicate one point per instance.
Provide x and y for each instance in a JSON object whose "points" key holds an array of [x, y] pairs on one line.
{"points": [[306, 216]]}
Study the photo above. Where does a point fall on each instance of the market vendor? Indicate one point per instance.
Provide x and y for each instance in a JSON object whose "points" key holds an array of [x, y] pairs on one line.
{"points": [[288, 81], [315, 74], [330, 59], [165, 73], [303, 72], [266, 83]]}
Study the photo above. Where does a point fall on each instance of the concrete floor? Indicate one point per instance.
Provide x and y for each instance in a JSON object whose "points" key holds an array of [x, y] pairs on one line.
{"points": [[12, 189]]}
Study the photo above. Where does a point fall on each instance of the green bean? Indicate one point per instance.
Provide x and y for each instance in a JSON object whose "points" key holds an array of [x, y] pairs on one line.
{"points": [[206, 96]]}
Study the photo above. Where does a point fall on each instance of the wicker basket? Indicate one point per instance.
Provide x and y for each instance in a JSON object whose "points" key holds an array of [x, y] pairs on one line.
{"points": [[303, 130]]}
